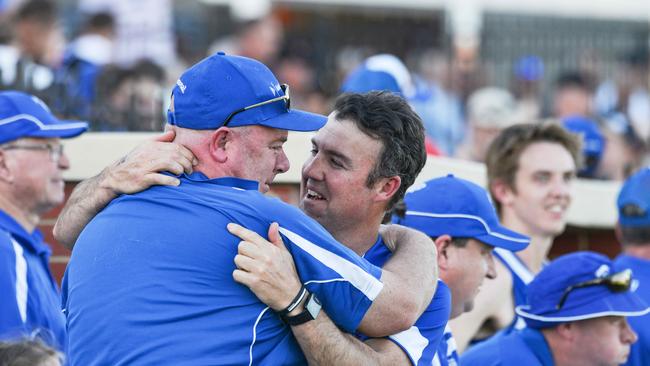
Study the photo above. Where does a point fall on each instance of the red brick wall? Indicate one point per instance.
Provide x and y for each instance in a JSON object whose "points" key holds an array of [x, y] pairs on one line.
{"points": [[574, 238]]}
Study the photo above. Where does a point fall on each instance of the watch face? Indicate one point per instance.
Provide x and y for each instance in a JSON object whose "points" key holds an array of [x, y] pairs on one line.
{"points": [[313, 306]]}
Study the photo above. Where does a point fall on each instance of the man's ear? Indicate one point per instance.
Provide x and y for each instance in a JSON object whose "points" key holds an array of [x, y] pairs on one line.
{"points": [[6, 174], [502, 192], [566, 330], [220, 144], [443, 244], [386, 188]]}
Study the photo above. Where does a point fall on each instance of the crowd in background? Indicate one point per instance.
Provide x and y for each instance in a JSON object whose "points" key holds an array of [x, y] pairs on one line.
{"points": [[115, 64]]}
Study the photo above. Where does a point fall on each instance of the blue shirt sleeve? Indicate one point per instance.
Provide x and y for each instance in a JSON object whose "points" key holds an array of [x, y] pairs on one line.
{"points": [[421, 341], [11, 323]]}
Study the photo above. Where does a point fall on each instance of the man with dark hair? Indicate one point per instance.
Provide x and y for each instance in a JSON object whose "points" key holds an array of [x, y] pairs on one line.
{"points": [[198, 314], [530, 168], [633, 231], [363, 160], [572, 96], [33, 26]]}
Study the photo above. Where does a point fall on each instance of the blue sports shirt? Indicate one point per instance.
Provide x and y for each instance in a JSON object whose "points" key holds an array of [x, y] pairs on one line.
{"points": [[447, 354], [150, 279], [421, 341], [520, 347], [30, 304], [640, 351], [521, 277]]}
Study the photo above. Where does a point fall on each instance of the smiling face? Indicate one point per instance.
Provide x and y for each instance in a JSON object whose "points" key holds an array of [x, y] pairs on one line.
{"points": [[259, 154], [541, 195], [334, 188], [37, 178]]}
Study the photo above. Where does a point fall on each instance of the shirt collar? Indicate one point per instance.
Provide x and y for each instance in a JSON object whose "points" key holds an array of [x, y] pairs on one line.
{"points": [[536, 343], [33, 241], [239, 183]]}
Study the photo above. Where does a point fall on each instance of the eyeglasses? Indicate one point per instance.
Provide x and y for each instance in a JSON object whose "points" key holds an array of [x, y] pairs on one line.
{"points": [[285, 97], [56, 151], [618, 282]]}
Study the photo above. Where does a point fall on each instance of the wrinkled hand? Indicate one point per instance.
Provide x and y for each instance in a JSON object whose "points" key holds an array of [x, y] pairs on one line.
{"points": [[141, 168], [266, 267]]}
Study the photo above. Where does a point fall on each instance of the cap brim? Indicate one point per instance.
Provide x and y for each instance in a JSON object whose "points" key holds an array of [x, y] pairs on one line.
{"points": [[296, 120], [613, 304], [62, 129], [501, 237]]}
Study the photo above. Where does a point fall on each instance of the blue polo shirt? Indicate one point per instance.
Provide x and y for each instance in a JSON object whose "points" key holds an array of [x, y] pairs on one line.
{"points": [[29, 297], [640, 351], [520, 347], [521, 277], [420, 342], [150, 279], [447, 354]]}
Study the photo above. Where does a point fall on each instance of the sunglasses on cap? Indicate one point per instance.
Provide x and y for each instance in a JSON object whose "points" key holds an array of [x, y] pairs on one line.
{"points": [[286, 98], [617, 282]]}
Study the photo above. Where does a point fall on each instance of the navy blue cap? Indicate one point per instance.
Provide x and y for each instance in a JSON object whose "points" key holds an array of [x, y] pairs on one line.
{"points": [[593, 141], [548, 287], [458, 208], [634, 200], [380, 72], [24, 115], [208, 92]]}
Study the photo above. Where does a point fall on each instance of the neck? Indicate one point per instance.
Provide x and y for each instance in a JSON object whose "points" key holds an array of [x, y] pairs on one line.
{"points": [[537, 252], [640, 251], [27, 220], [358, 236]]}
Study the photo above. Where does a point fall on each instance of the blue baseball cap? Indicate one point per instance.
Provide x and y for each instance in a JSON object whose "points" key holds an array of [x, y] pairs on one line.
{"points": [[548, 288], [593, 142], [634, 200], [458, 208], [529, 68], [24, 115], [237, 90], [380, 72]]}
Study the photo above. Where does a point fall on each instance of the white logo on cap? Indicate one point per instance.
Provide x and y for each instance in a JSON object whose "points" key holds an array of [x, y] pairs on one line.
{"points": [[416, 187], [602, 271], [41, 103], [181, 85]]}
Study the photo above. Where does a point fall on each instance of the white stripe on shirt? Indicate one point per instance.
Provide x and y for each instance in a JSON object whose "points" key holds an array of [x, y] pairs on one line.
{"points": [[21, 281], [362, 280], [514, 264], [413, 342]]}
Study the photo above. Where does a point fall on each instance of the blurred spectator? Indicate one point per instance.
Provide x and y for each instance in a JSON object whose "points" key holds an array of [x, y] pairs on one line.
{"points": [[300, 76], [129, 99], [526, 86], [624, 150], [628, 94], [143, 29], [260, 39], [438, 102], [593, 143], [572, 96], [82, 63], [23, 62], [28, 353], [489, 111]]}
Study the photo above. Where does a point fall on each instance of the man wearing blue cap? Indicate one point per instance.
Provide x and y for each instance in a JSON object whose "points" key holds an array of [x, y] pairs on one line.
{"points": [[576, 315], [31, 183], [458, 215], [633, 231], [178, 236]]}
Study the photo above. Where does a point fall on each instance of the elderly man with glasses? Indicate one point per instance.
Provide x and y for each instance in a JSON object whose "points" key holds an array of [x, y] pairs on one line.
{"points": [[31, 183], [576, 315]]}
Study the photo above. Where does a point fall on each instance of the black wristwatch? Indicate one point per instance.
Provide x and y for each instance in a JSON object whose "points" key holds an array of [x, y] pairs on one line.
{"points": [[312, 308]]}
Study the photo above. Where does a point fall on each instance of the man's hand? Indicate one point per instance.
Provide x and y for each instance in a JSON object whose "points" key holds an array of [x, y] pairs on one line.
{"points": [[266, 267], [141, 168]]}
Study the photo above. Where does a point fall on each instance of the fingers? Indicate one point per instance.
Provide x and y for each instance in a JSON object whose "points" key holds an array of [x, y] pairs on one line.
{"points": [[274, 234], [153, 179], [244, 263], [247, 248], [246, 235], [243, 277]]}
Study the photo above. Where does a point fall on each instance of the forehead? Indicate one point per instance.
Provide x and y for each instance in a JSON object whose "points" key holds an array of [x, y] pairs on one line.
{"points": [[344, 137], [266, 134], [546, 156], [36, 141]]}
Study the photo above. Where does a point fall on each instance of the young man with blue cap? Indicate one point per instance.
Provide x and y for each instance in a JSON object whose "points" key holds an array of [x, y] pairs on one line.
{"points": [[576, 315], [633, 231], [32, 162], [458, 215], [233, 115]]}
